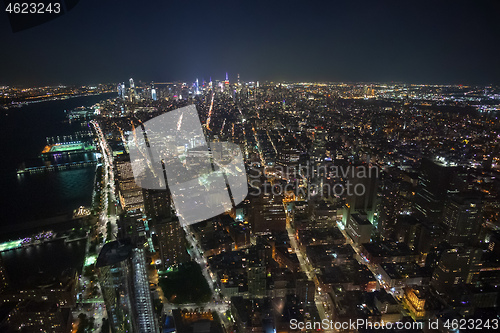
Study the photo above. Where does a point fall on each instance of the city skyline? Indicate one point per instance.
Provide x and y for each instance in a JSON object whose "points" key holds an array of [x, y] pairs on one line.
{"points": [[415, 239]]}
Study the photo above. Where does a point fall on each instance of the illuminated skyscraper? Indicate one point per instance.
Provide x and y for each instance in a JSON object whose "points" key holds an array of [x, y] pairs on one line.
{"points": [[130, 194], [153, 94], [132, 90], [226, 84], [145, 317], [125, 288]]}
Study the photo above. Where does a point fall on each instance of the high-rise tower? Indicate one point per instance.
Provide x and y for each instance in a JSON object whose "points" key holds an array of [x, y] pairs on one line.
{"points": [[462, 218], [366, 202], [132, 90], [157, 204], [456, 266], [125, 288], [169, 233], [172, 242], [435, 181], [226, 84]]}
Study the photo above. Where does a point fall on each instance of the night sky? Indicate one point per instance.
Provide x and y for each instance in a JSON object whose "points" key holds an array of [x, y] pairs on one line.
{"points": [[371, 41]]}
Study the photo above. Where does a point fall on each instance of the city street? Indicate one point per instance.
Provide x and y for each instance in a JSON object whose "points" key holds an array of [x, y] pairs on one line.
{"points": [[109, 194], [320, 299]]}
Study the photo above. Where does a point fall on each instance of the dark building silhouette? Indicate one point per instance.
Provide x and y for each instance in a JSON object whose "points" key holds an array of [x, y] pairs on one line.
{"points": [[267, 213], [366, 178], [169, 235], [462, 218], [456, 266], [157, 204], [434, 183], [408, 230], [171, 242], [257, 281]]}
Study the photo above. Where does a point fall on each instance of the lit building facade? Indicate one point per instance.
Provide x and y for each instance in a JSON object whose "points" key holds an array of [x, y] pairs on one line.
{"points": [[125, 288]]}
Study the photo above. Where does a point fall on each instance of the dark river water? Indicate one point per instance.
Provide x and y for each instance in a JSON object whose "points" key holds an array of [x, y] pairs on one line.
{"points": [[23, 134]]}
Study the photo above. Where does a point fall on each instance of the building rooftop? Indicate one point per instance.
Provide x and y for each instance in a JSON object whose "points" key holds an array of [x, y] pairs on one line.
{"points": [[114, 252], [360, 219]]}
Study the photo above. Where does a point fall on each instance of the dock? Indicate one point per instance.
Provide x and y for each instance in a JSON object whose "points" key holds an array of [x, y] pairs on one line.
{"points": [[56, 167]]}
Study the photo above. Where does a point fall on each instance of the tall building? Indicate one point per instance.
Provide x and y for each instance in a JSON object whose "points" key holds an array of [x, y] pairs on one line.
{"points": [[267, 213], [172, 242], [226, 84], [456, 266], [157, 204], [146, 321], [359, 229], [170, 235], [256, 281], [434, 182], [408, 230], [132, 90], [366, 178], [130, 194], [125, 288], [462, 218], [153, 94]]}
